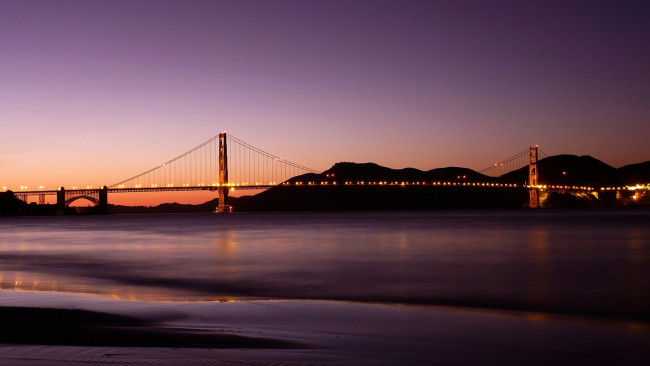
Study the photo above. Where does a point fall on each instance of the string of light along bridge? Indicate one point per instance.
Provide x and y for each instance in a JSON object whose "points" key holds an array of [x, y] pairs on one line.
{"points": [[225, 162]]}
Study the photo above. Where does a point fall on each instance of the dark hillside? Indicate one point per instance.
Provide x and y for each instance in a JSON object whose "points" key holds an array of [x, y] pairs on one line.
{"points": [[456, 173], [567, 170], [10, 205], [376, 197], [634, 174], [371, 172], [351, 197]]}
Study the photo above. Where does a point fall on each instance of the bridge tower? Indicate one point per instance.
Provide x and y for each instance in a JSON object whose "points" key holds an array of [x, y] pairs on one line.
{"points": [[533, 174], [223, 172]]}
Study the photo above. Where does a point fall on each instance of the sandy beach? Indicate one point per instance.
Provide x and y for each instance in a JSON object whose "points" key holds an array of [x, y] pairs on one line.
{"points": [[70, 329]]}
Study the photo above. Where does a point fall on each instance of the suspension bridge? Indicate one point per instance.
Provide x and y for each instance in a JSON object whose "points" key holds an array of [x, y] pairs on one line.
{"points": [[226, 163], [223, 163]]}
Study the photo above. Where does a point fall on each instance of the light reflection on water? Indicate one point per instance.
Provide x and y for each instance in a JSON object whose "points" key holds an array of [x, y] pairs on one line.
{"points": [[564, 261]]}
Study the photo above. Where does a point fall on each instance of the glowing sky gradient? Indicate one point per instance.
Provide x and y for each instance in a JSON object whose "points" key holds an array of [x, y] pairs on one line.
{"points": [[92, 92]]}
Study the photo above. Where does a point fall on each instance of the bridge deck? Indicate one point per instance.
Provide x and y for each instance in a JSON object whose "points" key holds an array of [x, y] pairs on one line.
{"points": [[324, 183], [140, 189]]}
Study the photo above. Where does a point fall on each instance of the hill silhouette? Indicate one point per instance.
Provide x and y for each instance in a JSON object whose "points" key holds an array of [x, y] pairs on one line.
{"points": [[371, 172], [581, 171], [555, 170], [10, 205], [568, 170], [634, 174]]}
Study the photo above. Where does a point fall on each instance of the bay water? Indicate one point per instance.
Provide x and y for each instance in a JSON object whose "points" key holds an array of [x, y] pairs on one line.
{"points": [[588, 262]]}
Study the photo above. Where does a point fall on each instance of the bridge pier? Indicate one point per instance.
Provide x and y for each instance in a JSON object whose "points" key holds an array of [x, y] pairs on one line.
{"points": [[60, 198], [102, 204], [223, 194]]}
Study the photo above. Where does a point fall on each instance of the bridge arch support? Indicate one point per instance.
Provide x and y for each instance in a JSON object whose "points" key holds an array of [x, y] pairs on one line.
{"points": [[92, 199], [98, 196]]}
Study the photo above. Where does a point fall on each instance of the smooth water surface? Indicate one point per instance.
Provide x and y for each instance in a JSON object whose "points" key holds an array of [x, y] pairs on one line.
{"points": [[589, 262]]}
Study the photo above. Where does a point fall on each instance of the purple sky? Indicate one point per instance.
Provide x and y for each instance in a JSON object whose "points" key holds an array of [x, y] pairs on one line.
{"points": [[92, 92]]}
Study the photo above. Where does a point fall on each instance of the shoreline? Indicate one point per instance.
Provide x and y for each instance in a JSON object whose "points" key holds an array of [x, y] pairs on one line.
{"points": [[302, 331], [46, 211]]}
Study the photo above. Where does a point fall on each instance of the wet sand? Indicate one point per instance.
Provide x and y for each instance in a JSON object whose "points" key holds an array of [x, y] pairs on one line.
{"points": [[41, 328]]}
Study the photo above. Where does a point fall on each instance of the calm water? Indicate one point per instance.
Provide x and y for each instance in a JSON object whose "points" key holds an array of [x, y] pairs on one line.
{"points": [[569, 261]]}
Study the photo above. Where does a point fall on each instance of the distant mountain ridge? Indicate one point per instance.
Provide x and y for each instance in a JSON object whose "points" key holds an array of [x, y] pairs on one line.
{"points": [[634, 173], [583, 170], [557, 169], [373, 172]]}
